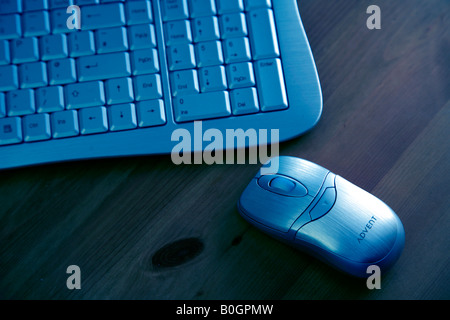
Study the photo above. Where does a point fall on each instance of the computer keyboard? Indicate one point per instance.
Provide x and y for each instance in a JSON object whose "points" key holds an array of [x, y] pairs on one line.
{"points": [[136, 71]]}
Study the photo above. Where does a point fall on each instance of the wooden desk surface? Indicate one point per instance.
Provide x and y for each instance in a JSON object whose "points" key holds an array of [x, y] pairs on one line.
{"points": [[144, 228]]}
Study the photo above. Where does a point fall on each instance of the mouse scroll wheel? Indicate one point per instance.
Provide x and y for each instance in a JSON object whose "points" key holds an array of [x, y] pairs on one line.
{"points": [[282, 184]]}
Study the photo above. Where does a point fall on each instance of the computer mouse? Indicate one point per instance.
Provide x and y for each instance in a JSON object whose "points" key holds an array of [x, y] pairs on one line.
{"points": [[321, 213]]}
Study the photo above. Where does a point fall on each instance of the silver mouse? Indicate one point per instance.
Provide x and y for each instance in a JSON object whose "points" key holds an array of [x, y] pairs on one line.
{"points": [[323, 214]]}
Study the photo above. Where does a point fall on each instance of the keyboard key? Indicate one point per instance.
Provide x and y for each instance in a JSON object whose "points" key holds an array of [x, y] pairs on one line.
{"points": [[9, 79], [244, 101], [240, 75], [233, 25], [49, 99], [81, 43], [142, 36], [145, 61], [5, 56], [33, 5], [102, 16], [213, 79], [254, 4], [181, 56], [85, 2], [178, 32], [20, 102], [206, 29], [228, 6], [10, 131], [10, 6], [122, 117], [184, 82], [33, 75], [59, 3], [10, 26], [209, 53], [271, 87], [202, 8], [111, 40], [119, 90], [264, 42], [138, 12], [35, 23], [58, 20], [104, 66], [62, 71], [147, 87], [65, 124], [237, 50], [24, 50], [36, 127], [53, 46], [151, 113], [93, 120], [84, 95], [192, 107], [174, 10]]}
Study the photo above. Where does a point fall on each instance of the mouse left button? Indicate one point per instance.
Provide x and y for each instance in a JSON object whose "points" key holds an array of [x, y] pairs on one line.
{"points": [[270, 210]]}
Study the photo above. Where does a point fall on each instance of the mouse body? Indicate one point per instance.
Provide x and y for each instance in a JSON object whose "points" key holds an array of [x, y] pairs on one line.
{"points": [[323, 214]]}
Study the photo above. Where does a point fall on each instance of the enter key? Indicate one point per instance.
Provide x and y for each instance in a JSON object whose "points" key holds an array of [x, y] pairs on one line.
{"points": [[271, 86]]}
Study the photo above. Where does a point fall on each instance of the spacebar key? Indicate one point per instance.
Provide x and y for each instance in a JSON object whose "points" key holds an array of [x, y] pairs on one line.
{"points": [[104, 66], [202, 106]]}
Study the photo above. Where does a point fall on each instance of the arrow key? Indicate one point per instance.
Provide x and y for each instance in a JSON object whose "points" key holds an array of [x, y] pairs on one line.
{"points": [[237, 50], [93, 120], [119, 90], [151, 113], [122, 116], [181, 56]]}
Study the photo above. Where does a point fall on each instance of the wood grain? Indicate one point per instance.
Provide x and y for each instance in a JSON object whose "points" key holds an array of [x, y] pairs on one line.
{"points": [[385, 127]]}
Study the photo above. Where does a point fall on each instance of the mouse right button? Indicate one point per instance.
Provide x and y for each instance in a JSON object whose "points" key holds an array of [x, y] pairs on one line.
{"points": [[324, 204]]}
